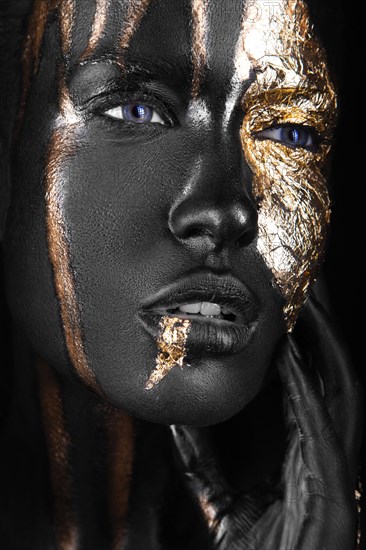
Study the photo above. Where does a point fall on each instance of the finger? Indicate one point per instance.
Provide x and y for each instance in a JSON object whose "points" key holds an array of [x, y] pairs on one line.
{"points": [[318, 441], [329, 515], [203, 475], [230, 516], [343, 391]]}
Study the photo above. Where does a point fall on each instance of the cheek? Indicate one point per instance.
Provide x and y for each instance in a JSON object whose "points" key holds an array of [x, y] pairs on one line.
{"points": [[294, 213]]}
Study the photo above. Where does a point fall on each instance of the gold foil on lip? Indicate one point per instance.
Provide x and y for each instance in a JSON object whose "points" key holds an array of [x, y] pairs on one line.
{"points": [[292, 86], [171, 343]]}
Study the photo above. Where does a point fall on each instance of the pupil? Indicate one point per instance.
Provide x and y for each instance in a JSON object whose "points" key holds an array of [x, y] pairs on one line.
{"points": [[139, 111], [294, 135]]}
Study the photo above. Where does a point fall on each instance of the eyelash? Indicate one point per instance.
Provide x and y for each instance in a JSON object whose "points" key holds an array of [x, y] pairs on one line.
{"points": [[159, 109], [127, 111], [117, 101], [309, 142]]}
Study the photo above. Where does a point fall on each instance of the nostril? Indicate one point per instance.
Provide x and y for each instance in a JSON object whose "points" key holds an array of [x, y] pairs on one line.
{"points": [[196, 232], [230, 223], [246, 238]]}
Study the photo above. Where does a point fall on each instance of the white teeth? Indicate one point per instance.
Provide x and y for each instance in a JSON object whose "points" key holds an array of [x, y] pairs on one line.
{"points": [[207, 308], [190, 308]]}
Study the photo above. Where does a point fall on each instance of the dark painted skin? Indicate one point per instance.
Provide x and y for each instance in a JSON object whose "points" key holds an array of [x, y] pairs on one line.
{"points": [[146, 205], [134, 195]]}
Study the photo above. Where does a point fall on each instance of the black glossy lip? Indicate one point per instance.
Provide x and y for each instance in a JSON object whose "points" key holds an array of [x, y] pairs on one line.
{"points": [[207, 335]]}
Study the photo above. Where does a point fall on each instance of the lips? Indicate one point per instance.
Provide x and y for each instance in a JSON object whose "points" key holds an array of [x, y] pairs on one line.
{"points": [[234, 307]]}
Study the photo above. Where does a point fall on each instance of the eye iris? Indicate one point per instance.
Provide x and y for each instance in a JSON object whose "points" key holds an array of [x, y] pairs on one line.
{"points": [[295, 136], [137, 112]]}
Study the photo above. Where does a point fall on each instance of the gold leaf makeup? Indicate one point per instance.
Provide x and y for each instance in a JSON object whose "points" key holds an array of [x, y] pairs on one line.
{"points": [[172, 348], [292, 86], [100, 19], [199, 54]]}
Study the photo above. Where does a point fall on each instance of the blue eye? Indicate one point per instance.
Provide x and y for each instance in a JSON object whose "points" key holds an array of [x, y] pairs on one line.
{"points": [[138, 113], [291, 135]]}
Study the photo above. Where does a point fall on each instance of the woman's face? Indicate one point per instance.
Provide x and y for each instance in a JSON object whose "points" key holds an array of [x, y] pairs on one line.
{"points": [[169, 203]]}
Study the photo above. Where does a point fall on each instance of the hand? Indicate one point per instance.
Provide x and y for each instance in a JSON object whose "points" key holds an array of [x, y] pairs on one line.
{"points": [[316, 508]]}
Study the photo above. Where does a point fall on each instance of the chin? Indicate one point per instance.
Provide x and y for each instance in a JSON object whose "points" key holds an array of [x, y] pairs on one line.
{"points": [[207, 391]]}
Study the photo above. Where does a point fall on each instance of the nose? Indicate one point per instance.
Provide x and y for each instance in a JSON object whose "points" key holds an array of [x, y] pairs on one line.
{"points": [[216, 208]]}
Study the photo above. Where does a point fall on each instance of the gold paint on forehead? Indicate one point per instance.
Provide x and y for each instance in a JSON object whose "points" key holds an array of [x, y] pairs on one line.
{"points": [[100, 18], [292, 86], [171, 343], [58, 446], [67, 14], [199, 53], [121, 448], [135, 12]]}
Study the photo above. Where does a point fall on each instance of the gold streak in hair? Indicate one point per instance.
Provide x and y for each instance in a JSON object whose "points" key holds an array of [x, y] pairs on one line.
{"points": [[135, 12], [100, 18], [34, 39], [121, 444], [292, 86], [58, 444], [199, 54], [60, 149], [171, 343]]}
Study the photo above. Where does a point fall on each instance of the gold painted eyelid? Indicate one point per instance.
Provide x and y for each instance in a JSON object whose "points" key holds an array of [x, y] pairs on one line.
{"points": [[314, 149], [260, 122]]}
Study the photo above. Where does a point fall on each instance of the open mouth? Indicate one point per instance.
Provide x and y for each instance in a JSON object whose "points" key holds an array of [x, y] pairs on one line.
{"points": [[208, 310], [223, 312]]}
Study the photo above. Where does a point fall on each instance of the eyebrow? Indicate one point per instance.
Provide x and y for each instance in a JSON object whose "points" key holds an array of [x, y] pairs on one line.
{"points": [[172, 74]]}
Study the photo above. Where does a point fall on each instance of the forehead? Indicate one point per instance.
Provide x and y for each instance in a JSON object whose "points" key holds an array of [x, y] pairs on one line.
{"points": [[177, 29], [207, 47]]}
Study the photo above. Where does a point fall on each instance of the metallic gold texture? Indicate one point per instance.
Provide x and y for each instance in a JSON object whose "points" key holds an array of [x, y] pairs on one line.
{"points": [[358, 498], [58, 445], [135, 12], [172, 347], [199, 53], [60, 149], [67, 13], [292, 86], [121, 445], [31, 52], [210, 512], [33, 43], [100, 18]]}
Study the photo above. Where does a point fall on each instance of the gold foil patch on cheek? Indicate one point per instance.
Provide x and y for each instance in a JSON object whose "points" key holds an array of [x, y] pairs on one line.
{"points": [[294, 213], [171, 343], [292, 87]]}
